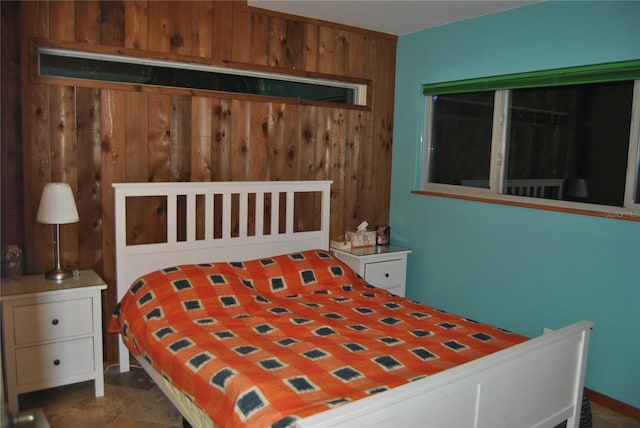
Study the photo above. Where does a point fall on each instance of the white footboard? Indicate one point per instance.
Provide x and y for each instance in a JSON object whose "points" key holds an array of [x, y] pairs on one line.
{"points": [[538, 383]]}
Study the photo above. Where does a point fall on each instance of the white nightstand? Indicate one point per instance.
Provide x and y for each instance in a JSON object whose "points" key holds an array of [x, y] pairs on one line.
{"points": [[52, 333], [383, 266]]}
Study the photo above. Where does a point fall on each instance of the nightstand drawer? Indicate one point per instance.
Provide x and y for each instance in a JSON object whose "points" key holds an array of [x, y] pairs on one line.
{"points": [[54, 361], [53, 320], [386, 274], [383, 266]]}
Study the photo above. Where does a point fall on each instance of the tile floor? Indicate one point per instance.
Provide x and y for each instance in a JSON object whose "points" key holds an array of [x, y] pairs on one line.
{"points": [[133, 401]]}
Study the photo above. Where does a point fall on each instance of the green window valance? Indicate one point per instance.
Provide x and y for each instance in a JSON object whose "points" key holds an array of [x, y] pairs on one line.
{"points": [[609, 72]]}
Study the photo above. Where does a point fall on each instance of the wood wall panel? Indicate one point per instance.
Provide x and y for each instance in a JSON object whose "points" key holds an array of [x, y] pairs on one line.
{"points": [[33, 21], [222, 31], [62, 20], [87, 15], [336, 140], [202, 29], [282, 142], [111, 21], [257, 140], [239, 138], [180, 138], [89, 202], [221, 140], [333, 47], [278, 43], [353, 146], [259, 39], [159, 142], [310, 52], [294, 45], [136, 24], [64, 165], [241, 33], [202, 145], [12, 230], [112, 145], [386, 55], [94, 137], [37, 161], [136, 132], [355, 65], [136, 161]]}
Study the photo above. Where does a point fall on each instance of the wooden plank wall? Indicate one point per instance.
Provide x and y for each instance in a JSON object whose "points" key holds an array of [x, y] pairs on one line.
{"points": [[11, 201], [91, 137]]}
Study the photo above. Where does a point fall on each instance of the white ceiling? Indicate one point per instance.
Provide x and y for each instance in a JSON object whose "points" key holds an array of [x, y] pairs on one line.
{"points": [[398, 17]]}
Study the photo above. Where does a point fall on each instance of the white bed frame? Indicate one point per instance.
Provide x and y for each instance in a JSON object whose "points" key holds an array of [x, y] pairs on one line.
{"points": [[537, 383]]}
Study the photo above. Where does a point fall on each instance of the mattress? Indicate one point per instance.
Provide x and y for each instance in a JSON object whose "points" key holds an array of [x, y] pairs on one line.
{"points": [[265, 342]]}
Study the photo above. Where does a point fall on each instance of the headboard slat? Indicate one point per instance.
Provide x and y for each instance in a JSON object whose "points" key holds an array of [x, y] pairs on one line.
{"points": [[208, 216], [275, 212], [172, 218], [226, 215], [259, 215], [244, 213], [289, 215], [191, 217]]}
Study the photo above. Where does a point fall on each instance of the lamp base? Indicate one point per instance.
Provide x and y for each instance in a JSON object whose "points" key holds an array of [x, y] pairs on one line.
{"points": [[58, 274]]}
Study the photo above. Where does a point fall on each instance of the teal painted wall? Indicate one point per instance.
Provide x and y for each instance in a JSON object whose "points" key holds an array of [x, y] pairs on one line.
{"points": [[522, 269]]}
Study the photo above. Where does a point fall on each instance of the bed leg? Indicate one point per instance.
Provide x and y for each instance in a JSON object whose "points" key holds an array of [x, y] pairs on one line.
{"points": [[123, 356], [585, 420], [585, 414]]}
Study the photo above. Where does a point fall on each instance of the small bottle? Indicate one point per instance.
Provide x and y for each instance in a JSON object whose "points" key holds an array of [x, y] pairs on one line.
{"points": [[383, 235]]}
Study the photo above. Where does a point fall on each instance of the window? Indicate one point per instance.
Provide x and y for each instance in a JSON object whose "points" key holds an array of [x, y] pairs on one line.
{"points": [[67, 63], [566, 138], [461, 141]]}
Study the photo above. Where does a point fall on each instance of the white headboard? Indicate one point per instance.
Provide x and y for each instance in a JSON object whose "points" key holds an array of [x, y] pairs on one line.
{"points": [[135, 260]]}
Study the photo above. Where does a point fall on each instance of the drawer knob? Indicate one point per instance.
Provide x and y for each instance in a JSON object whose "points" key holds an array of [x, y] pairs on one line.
{"points": [[386, 275], [55, 321], [56, 362]]}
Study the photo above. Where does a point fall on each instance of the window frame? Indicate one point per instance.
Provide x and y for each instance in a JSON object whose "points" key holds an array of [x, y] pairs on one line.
{"points": [[361, 87], [499, 139]]}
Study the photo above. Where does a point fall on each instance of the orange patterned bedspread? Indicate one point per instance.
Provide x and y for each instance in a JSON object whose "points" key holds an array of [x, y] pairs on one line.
{"points": [[265, 342]]}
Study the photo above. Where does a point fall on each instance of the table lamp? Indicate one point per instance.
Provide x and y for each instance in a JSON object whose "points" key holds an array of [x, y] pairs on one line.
{"points": [[57, 207]]}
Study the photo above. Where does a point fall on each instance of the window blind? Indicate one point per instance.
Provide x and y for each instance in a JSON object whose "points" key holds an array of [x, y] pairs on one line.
{"points": [[609, 72]]}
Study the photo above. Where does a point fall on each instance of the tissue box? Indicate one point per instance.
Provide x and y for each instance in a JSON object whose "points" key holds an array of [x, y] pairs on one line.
{"points": [[361, 239]]}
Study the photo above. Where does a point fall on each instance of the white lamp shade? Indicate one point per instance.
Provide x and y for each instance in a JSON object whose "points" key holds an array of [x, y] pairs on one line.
{"points": [[57, 205]]}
